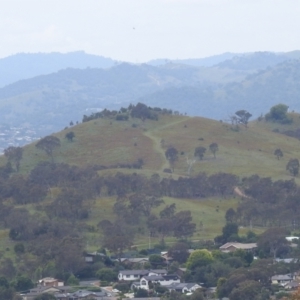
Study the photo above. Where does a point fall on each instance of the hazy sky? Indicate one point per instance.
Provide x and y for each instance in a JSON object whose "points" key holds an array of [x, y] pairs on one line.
{"points": [[140, 30]]}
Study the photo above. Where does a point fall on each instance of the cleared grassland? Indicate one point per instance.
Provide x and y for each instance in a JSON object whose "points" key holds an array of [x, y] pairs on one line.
{"points": [[208, 215]]}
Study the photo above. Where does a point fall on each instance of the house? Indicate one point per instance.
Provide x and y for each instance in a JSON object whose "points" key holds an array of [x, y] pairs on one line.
{"points": [[38, 291], [282, 279], [83, 294], [287, 260], [292, 285], [93, 256], [131, 275], [233, 246], [134, 275], [291, 238], [60, 290], [134, 260], [181, 271], [163, 280], [49, 281], [184, 287]]}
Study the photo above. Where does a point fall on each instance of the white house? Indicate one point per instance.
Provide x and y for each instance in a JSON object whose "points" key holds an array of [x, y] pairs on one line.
{"points": [[282, 279], [184, 287], [131, 275], [135, 275], [163, 280]]}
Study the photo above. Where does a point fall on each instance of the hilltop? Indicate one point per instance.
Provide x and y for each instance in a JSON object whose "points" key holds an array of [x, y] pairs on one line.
{"points": [[27, 65], [106, 141]]}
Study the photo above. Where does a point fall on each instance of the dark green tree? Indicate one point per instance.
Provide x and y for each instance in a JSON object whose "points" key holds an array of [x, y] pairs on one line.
{"points": [[229, 233], [48, 144], [172, 156], [278, 153], [247, 290], [230, 215], [156, 260], [72, 280], [107, 274], [19, 248], [199, 152], [278, 113], [69, 136], [23, 283], [243, 117], [141, 293], [293, 166], [213, 147], [179, 252], [117, 238], [272, 240], [14, 155], [183, 226]]}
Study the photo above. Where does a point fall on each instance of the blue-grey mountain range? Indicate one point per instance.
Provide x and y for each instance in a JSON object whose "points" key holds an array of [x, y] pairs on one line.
{"points": [[79, 84]]}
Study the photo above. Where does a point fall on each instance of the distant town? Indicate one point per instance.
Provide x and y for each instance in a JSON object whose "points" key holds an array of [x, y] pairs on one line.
{"points": [[16, 136]]}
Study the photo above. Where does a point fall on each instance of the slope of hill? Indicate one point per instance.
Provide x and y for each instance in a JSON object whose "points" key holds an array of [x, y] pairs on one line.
{"points": [[197, 62], [101, 173], [239, 61], [26, 65]]}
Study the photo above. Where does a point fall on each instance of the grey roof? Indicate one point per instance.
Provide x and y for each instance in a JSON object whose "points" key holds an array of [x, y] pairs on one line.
{"points": [[281, 277], [293, 284], [84, 293], [153, 278], [182, 285], [239, 246], [142, 272], [134, 272], [96, 254], [41, 289], [287, 260], [135, 259], [159, 271], [163, 277]]}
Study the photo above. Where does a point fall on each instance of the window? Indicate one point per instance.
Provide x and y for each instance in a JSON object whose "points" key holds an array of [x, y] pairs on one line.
{"points": [[143, 282]]}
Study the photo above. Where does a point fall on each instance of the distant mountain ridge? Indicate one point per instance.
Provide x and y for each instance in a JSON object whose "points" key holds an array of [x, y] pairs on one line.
{"points": [[254, 82], [256, 93], [26, 65]]}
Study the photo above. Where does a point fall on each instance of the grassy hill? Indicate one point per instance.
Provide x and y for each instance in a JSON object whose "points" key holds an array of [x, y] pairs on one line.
{"points": [[109, 143]]}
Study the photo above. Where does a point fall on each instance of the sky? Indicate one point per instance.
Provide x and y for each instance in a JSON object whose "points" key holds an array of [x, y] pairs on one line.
{"points": [[141, 30]]}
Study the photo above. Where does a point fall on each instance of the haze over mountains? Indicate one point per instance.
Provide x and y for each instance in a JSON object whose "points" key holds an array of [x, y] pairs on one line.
{"points": [[44, 92]]}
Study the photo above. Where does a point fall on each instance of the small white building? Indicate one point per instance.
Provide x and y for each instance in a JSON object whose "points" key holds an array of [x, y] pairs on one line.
{"points": [[163, 280], [233, 246], [184, 287], [134, 275]]}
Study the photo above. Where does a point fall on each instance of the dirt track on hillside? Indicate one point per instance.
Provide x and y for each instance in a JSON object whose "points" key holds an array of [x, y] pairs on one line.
{"points": [[238, 192]]}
